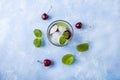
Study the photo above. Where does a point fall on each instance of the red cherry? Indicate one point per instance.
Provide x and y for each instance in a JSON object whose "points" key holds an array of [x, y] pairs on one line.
{"points": [[69, 34], [57, 30], [44, 16], [47, 62], [78, 25]]}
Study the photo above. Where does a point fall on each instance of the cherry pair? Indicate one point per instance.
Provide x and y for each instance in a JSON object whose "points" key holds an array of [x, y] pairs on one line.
{"points": [[45, 17]]}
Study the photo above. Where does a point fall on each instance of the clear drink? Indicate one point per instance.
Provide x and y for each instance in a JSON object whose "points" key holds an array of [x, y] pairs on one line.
{"points": [[60, 33]]}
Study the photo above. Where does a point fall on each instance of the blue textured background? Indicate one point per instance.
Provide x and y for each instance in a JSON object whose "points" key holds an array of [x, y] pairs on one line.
{"points": [[18, 19]]}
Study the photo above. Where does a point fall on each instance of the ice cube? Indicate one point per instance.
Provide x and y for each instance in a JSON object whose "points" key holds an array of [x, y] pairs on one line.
{"points": [[55, 37], [53, 29]]}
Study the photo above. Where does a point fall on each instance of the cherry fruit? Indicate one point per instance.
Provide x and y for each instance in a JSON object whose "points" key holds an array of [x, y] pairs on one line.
{"points": [[47, 62], [78, 25], [57, 30], [44, 16]]}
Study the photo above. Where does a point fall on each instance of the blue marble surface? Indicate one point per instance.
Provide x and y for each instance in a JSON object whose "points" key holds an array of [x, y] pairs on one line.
{"points": [[18, 56]]}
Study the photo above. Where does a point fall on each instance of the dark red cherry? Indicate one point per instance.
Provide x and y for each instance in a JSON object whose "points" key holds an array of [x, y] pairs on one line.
{"points": [[57, 30], [69, 34], [44, 16], [78, 25], [47, 62]]}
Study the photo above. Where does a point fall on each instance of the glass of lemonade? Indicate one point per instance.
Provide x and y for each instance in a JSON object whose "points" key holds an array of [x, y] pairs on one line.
{"points": [[60, 32]]}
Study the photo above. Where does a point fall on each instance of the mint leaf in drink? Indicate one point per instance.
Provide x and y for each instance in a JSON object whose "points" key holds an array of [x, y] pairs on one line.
{"points": [[66, 34], [62, 40], [61, 24]]}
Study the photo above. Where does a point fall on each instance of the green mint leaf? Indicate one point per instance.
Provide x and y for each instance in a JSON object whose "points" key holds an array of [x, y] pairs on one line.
{"points": [[37, 42], [37, 33], [68, 59], [66, 34], [82, 47], [62, 40], [61, 24]]}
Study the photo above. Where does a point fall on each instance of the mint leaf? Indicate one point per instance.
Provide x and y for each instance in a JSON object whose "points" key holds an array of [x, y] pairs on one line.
{"points": [[62, 40], [66, 34], [82, 47], [37, 33], [37, 42], [68, 59], [61, 24]]}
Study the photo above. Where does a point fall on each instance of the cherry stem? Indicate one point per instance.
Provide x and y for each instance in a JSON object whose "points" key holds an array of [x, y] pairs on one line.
{"points": [[49, 9], [39, 61]]}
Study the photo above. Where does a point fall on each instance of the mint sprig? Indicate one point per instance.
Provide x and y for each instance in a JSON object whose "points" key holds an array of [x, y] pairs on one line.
{"points": [[37, 41]]}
